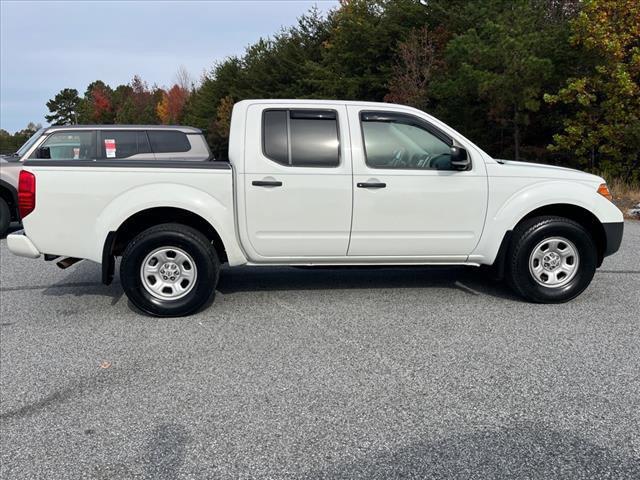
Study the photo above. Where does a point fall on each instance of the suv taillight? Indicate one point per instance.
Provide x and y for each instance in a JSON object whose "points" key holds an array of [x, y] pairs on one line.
{"points": [[26, 193]]}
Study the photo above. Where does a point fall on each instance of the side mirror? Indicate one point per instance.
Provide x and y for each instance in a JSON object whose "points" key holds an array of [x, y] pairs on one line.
{"points": [[459, 158], [44, 152]]}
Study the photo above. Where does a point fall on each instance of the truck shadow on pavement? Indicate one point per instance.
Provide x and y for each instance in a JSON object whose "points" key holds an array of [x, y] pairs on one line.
{"points": [[13, 227], [76, 283], [79, 289], [469, 280], [525, 450]]}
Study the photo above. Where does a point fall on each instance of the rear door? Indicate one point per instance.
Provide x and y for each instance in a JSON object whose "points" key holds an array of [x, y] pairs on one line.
{"points": [[297, 181], [124, 144]]}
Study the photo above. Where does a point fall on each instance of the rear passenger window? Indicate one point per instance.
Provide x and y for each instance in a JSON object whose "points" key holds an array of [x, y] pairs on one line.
{"points": [[168, 141], [124, 144], [301, 138]]}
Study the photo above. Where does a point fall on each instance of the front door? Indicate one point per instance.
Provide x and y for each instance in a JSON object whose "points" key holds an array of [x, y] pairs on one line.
{"points": [[408, 201], [297, 181]]}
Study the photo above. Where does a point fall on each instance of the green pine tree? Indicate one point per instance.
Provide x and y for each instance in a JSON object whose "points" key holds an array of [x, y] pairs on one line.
{"points": [[64, 107]]}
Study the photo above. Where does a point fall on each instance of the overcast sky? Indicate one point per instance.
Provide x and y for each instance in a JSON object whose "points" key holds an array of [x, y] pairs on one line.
{"points": [[49, 45]]}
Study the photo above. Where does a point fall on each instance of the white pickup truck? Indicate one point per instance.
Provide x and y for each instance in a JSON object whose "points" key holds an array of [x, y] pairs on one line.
{"points": [[316, 183]]}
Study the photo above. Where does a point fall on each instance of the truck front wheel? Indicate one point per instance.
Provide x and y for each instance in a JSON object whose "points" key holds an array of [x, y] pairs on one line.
{"points": [[551, 259], [170, 270]]}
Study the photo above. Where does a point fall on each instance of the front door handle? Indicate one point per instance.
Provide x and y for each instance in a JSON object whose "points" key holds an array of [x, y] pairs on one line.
{"points": [[266, 183], [371, 185]]}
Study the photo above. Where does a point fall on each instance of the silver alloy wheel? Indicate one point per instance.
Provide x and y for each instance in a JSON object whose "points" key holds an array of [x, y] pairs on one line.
{"points": [[554, 262], [168, 273]]}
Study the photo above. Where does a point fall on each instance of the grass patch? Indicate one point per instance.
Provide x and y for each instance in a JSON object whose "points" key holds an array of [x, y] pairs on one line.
{"points": [[626, 195]]}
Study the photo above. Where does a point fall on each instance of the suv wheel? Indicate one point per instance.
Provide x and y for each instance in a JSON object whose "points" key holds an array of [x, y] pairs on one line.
{"points": [[5, 217], [551, 259], [170, 270]]}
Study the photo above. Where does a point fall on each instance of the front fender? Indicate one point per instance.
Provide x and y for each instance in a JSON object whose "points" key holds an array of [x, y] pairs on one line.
{"points": [[505, 214], [539, 195]]}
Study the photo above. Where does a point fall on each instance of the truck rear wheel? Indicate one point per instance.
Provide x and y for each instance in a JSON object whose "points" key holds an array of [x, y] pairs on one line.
{"points": [[551, 259], [170, 270]]}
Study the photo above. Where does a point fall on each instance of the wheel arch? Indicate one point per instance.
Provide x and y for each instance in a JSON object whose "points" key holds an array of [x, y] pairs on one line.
{"points": [[578, 214], [117, 240]]}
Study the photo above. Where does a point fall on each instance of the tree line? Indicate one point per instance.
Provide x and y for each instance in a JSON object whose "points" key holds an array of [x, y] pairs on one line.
{"points": [[556, 81], [11, 143]]}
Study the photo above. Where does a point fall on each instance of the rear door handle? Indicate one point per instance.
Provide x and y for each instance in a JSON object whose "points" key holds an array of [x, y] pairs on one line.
{"points": [[371, 185], [266, 183]]}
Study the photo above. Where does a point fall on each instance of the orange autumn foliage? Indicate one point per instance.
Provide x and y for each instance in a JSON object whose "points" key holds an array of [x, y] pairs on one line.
{"points": [[171, 108]]}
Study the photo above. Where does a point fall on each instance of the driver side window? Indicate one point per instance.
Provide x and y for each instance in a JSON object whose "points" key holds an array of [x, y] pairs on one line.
{"points": [[398, 141], [68, 145]]}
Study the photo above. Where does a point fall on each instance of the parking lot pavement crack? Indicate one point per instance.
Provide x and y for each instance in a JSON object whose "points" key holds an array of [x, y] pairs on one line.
{"points": [[465, 288], [624, 272], [59, 396], [77, 389], [44, 287]]}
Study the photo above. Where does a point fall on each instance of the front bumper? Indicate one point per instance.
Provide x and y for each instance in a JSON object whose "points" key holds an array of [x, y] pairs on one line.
{"points": [[19, 244], [613, 236]]}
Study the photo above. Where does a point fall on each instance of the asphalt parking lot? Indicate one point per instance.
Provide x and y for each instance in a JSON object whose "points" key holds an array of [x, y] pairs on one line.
{"points": [[358, 373]]}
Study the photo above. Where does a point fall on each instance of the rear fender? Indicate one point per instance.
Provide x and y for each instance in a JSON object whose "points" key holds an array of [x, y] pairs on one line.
{"points": [[171, 195]]}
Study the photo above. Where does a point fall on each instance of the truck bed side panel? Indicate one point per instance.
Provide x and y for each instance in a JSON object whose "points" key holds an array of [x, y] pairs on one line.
{"points": [[77, 206]]}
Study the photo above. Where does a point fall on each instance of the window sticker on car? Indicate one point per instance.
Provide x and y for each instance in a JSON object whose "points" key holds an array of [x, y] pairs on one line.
{"points": [[110, 147]]}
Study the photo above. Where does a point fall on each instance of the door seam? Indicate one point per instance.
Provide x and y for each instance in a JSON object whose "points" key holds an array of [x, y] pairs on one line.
{"points": [[353, 199]]}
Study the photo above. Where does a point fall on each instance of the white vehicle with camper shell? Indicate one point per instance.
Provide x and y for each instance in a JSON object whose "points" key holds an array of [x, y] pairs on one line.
{"points": [[313, 183]]}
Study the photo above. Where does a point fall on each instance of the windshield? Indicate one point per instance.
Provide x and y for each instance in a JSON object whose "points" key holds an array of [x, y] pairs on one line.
{"points": [[27, 145]]}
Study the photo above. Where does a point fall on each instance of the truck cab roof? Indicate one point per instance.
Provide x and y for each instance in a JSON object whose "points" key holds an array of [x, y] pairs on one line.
{"points": [[373, 105]]}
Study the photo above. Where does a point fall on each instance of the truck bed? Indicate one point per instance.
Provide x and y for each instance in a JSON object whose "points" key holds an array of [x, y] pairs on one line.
{"points": [[69, 222]]}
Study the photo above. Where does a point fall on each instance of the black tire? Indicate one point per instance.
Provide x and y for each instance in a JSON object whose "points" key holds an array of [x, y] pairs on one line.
{"points": [[189, 240], [5, 217], [527, 236]]}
